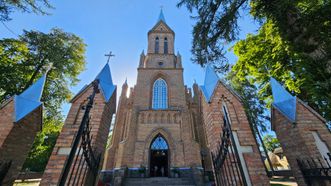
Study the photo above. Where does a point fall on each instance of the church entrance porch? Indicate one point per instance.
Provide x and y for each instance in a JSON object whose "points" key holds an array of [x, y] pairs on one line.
{"points": [[159, 161]]}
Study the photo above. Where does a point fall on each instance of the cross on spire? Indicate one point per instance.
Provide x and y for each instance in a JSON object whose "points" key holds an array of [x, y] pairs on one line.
{"points": [[109, 55]]}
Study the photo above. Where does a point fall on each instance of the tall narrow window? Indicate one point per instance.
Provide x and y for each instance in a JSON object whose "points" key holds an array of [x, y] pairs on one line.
{"points": [[165, 45], [160, 94], [157, 45]]}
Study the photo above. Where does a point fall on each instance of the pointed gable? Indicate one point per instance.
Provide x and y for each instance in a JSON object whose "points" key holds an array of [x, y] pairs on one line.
{"points": [[106, 82], [161, 25], [283, 100], [29, 100], [210, 83]]}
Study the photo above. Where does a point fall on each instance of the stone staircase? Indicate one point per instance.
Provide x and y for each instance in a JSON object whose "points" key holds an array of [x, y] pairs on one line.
{"points": [[158, 181]]}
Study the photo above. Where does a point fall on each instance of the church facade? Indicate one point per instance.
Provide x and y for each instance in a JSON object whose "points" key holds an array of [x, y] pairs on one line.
{"points": [[163, 128], [156, 125]]}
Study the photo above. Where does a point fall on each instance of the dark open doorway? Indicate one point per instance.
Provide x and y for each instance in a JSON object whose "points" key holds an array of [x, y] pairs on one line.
{"points": [[159, 161]]}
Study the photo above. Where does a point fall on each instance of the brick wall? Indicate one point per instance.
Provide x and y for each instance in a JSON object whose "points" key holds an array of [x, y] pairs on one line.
{"points": [[16, 139], [297, 139], [161, 31], [101, 115], [213, 122], [137, 124], [200, 130], [119, 129]]}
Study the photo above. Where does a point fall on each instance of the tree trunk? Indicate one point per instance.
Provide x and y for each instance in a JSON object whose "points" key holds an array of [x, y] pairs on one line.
{"points": [[34, 75]]}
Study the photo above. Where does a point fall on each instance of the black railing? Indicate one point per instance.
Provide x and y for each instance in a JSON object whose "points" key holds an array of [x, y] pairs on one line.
{"points": [[82, 165], [227, 167], [4, 167], [316, 170]]}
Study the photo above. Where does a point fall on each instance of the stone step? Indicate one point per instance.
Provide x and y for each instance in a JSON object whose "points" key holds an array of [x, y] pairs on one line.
{"points": [[158, 181]]}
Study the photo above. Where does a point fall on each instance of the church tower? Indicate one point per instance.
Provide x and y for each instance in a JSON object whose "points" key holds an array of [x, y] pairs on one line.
{"points": [[155, 128]]}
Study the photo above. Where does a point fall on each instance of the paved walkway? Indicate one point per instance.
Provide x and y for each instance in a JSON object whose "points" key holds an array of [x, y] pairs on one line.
{"points": [[36, 183], [29, 182], [283, 183]]}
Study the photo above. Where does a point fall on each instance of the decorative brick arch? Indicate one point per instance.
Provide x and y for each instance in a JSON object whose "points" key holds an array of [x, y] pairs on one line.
{"points": [[158, 75], [167, 136], [165, 133]]}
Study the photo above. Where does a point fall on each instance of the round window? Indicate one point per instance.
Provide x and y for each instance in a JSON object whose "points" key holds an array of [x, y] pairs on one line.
{"points": [[160, 63]]}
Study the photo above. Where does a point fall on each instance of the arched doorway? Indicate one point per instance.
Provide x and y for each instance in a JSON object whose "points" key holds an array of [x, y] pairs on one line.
{"points": [[159, 153]]}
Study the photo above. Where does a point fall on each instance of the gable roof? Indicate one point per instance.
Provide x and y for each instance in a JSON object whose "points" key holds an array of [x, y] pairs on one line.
{"points": [[161, 25], [284, 102], [105, 84], [211, 82], [29, 100]]}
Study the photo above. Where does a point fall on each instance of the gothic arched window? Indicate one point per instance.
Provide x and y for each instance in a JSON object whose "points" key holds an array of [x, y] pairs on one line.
{"points": [[157, 45], [165, 45], [159, 143], [160, 94]]}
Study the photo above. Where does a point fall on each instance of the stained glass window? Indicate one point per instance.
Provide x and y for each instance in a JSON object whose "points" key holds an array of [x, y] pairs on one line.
{"points": [[160, 94], [159, 143], [157, 45]]}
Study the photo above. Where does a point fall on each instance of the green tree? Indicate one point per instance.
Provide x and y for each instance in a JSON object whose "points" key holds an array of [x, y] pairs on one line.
{"points": [[293, 45], [35, 6], [270, 142], [304, 23], [254, 107], [43, 145], [268, 54], [26, 59], [110, 135]]}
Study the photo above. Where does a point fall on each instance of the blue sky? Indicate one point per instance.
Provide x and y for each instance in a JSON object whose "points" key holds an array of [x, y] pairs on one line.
{"points": [[119, 26]]}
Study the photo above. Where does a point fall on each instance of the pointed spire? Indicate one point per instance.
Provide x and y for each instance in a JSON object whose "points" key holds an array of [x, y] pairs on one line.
{"points": [[29, 100], [125, 82], [161, 16], [283, 100], [106, 82], [210, 82], [178, 54], [124, 89]]}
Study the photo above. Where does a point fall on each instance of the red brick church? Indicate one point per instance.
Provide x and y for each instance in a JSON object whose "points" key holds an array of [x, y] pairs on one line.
{"points": [[165, 128], [164, 133]]}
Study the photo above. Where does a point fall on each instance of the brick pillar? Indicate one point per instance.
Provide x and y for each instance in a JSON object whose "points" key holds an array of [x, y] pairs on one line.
{"points": [[119, 129], [297, 139], [245, 141], [101, 116], [16, 139]]}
